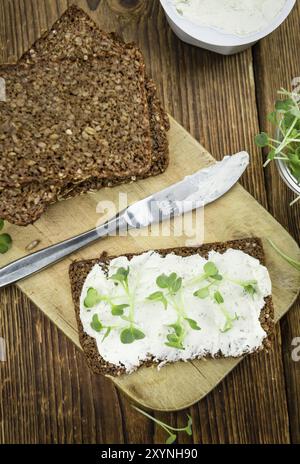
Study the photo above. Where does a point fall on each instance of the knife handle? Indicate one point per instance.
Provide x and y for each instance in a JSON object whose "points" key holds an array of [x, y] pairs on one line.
{"points": [[41, 259]]}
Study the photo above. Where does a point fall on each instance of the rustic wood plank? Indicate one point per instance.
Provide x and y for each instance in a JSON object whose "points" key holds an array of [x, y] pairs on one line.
{"points": [[273, 71], [197, 88], [47, 393]]}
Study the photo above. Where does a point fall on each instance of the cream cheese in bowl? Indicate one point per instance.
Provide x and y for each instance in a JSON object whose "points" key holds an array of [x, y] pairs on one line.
{"points": [[239, 17], [225, 26]]}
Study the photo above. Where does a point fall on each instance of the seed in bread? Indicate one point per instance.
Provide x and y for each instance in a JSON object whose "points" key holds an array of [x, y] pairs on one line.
{"points": [[24, 205], [71, 120]]}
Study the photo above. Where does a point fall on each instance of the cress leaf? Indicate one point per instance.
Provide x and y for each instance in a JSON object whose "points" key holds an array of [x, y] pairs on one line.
{"points": [[108, 330], [5, 240], [284, 105], [127, 336], [172, 277], [118, 310], [172, 338], [3, 248], [262, 140], [218, 297], [5, 243], [210, 269], [171, 439], [177, 328], [176, 285], [130, 334], [193, 324], [92, 298], [155, 296], [121, 275], [177, 346], [250, 289], [202, 293], [158, 296], [162, 281], [138, 334], [295, 112], [217, 277], [96, 324], [189, 426], [288, 120]]}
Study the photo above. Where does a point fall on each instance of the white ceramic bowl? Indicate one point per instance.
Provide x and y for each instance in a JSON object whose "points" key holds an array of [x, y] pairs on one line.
{"points": [[215, 40]]}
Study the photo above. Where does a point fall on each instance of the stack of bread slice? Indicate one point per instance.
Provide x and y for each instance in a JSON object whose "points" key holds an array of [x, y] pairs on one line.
{"points": [[80, 114]]}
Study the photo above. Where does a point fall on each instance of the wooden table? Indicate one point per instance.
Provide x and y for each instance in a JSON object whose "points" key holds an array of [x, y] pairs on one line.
{"points": [[47, 394]]}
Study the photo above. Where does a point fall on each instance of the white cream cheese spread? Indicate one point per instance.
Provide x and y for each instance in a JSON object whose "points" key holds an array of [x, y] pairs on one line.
{"points": [[175, 308], [238, 17]]}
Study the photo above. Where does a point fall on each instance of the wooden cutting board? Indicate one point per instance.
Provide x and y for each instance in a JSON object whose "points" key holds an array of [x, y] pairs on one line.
{"points": [[236, 215]]}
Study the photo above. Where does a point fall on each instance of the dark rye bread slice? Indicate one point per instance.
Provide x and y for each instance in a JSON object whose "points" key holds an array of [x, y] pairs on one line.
{"points": [[159, 125], [23, 206], [70, 120], [75, 36], [79, 270]]}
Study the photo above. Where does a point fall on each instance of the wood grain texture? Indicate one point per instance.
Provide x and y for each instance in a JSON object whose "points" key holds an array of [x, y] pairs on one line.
{"points": [[281, 68], [214, 98]]}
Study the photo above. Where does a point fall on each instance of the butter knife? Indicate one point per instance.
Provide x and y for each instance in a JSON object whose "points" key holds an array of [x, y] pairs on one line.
{"points": [[194, 191]]}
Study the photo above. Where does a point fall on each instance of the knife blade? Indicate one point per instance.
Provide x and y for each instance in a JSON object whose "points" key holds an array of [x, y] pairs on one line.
{"points": [[194, 191]]}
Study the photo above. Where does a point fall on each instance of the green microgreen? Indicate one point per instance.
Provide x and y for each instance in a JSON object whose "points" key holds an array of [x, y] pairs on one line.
{"points": [[121, 276], [172, 282], [286, 144], [118, 310], [218, 298], [291, 261], [5, 240], [171, 293], [202, 292], [210, 269], [249, 286], [158, 296], [168, 428], [92, 298], [97, 325], [173, 341], [130, 333], [192, 323], [210, 273]]}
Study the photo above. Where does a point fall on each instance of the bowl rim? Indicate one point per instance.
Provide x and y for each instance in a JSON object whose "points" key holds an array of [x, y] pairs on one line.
{"points": [[285, 172], [288, 177], [213, 36]]}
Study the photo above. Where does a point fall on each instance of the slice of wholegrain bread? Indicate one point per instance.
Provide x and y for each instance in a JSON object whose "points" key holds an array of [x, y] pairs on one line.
{"points": [[79, 270], [159, 125], [71, 120], [26, 204], [74, 36]]}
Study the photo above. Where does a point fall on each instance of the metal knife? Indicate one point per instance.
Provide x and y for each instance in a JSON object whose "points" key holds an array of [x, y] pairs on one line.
{"points": [[196, 190]]}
